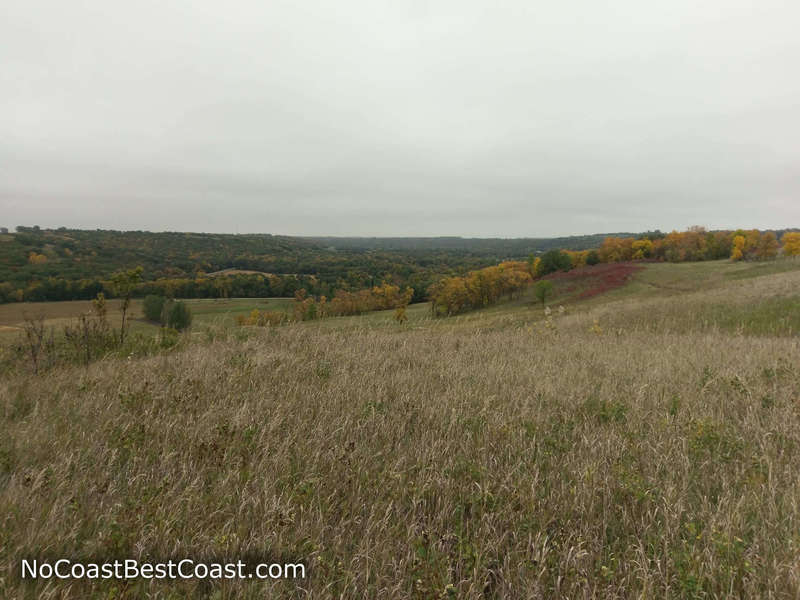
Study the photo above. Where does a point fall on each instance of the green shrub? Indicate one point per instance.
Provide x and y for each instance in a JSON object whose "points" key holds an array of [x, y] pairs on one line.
{"points": [[554, 260], [178, 315], [542, 290], [152, 307]]}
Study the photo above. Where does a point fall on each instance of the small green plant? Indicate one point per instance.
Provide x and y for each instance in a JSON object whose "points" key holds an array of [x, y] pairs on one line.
{"points": [[605, 411], [543, 290], [674, 405]]}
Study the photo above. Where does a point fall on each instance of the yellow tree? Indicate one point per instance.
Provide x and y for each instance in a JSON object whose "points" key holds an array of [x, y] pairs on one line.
{"points": [[753, 238], [578, 257], [791, 243], [642, 249], [615, 249], [737, 252]]}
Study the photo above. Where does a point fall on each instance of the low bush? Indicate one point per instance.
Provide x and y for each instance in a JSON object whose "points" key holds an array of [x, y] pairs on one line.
{"points": [[177, 315], [153, 307]]}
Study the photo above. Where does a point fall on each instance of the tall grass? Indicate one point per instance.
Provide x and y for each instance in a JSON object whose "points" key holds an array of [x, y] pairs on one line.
{"points": [[487, 457]]}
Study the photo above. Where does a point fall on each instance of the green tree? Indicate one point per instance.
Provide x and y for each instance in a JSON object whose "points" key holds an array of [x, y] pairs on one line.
{"points": [[543, 289], [592, 258], [123, 284], [554, 260]]}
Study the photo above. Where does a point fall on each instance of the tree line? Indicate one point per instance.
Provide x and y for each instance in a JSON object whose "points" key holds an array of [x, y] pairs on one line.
{"points": [[481, 288], [51, 289], [694, 244], [67, 264], [697, 244], [484, 287], [51, 265], [343, 303], [39, 264]]}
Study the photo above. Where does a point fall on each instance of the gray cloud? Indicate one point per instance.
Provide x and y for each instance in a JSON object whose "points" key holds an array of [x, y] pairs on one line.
{"points": [[368, 117]]}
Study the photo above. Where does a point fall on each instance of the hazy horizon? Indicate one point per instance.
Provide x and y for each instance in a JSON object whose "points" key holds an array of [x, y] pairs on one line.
{"points": [[421, 237], [414, 119]]}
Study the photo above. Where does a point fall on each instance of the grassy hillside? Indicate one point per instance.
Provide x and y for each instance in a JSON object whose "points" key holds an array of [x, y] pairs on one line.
{"points": [[644, 443]]}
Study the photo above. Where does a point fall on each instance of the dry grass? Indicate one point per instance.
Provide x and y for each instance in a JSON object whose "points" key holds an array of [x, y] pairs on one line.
{"points": [[491, 453]]}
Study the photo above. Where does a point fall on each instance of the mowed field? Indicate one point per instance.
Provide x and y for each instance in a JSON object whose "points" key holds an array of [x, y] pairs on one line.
{"points": [[643, 443], [58, 314]]}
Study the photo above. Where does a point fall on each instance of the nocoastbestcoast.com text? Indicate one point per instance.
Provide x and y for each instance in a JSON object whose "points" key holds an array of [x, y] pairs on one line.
{"points": [[171, 569]]}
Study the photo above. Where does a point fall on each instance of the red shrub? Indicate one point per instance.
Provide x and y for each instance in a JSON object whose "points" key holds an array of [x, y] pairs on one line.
{"points": [[597, 279]]}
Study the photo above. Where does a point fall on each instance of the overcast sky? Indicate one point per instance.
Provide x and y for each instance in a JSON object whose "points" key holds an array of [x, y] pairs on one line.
{"points": [[402, 117]]}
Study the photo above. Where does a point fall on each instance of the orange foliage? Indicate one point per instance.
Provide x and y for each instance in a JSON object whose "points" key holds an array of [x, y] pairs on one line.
{"points": [[453, 295], [578, 258], [791, 243], [698, 244], [615, 249]]}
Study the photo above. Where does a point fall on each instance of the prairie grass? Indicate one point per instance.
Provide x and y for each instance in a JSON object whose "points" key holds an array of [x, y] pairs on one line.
{"points": [[645, 447]]}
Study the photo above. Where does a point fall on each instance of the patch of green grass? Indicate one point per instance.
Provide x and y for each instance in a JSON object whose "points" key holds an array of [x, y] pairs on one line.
{"points": [[771, 316], [668, 279]]}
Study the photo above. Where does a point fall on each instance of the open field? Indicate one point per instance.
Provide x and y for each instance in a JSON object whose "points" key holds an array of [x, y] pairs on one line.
{"points": [[58, 314], [642, 444], [656, 280]]}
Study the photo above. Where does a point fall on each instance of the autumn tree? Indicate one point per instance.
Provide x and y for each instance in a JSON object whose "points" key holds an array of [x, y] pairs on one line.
{"points": [[719, 245], [767, 247], [577, 258], [453, 295], [616, 249], [642, 249], [753, 244], [737, 249], [791, 243]]}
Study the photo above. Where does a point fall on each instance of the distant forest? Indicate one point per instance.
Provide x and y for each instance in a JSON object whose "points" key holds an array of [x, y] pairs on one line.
{"points": [[71, 264], [499, 248]]}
